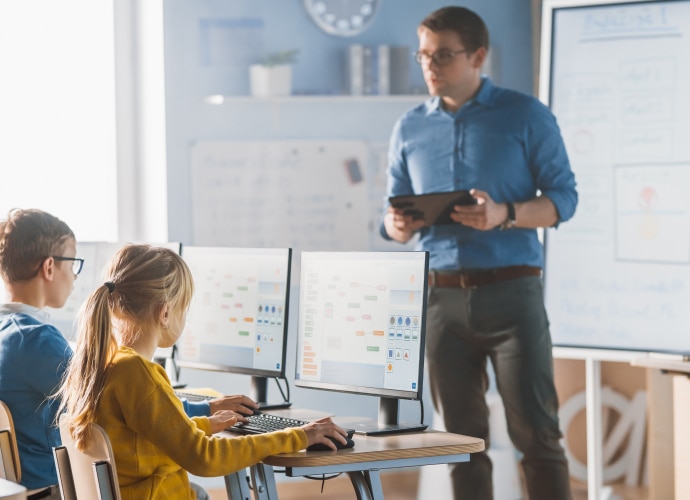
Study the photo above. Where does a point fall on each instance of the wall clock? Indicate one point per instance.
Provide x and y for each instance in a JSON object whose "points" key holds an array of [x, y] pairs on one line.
{"points": [[342, 17]]}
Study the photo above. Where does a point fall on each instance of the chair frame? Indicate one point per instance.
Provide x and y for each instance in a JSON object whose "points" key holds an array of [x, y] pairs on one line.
{"points": [[73, 466], [9, 451], [64, 473]]}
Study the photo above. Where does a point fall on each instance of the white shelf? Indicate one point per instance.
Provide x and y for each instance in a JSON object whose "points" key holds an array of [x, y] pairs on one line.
{"points": [[231, 99]]}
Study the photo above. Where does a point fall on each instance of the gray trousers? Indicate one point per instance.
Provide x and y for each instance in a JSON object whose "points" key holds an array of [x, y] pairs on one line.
{"points": [[505, 322]]}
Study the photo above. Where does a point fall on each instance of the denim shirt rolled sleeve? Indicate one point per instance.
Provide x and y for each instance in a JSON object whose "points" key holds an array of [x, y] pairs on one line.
{"points": [[550, 164], [503, 142]]}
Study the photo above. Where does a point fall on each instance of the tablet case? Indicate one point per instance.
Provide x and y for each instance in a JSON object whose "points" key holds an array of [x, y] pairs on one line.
{"points": [[434, 208]]}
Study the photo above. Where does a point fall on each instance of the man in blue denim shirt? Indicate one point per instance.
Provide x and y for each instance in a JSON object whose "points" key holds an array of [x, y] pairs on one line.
{"points": [[486, 294]]}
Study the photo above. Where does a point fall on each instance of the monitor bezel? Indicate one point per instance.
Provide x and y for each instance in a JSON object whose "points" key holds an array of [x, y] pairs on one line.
{"points": [[368, 390], [253, 372]]}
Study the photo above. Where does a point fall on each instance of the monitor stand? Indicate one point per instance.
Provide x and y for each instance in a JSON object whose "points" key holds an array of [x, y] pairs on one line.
{"points": [[166, 358], [387, 421], [258, 391]]}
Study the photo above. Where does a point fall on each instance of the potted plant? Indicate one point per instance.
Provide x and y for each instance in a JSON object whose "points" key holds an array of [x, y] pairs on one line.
{"points": [[273, 75]]}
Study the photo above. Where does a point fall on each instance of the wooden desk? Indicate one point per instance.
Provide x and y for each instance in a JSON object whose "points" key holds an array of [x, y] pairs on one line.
{"points": [[363, 462], [672, 430], [670, 366], [11, 491]]}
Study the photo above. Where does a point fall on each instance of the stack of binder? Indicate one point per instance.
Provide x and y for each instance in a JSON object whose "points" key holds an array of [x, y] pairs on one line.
{"points": [[382, 70]]}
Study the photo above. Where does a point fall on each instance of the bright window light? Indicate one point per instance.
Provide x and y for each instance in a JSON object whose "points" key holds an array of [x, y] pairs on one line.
{"points": [[57, 112]]}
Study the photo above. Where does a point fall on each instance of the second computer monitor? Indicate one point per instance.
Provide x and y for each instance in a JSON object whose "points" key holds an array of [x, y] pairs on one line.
{"points": [[237, 320], [361, 324]]}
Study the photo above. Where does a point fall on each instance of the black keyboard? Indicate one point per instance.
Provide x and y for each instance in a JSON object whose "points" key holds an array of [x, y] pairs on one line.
{"points": [[190, 396], [266, 422]]}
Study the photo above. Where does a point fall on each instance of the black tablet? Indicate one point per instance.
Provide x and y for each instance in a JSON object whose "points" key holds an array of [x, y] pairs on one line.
{"points": [[434, 208]]}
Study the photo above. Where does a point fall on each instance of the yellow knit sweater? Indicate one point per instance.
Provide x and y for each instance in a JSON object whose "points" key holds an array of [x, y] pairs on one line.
{"points": [[155, 443]]}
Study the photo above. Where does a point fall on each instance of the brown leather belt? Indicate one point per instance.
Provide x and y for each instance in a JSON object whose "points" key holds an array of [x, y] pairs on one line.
{"points": [[473, 279]]}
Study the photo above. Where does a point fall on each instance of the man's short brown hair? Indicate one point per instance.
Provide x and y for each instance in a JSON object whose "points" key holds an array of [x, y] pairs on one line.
{"points": [[468, 25]]}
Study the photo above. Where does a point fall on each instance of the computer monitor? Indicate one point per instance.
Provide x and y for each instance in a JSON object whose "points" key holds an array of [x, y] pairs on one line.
{"points": [[361, 328], [97, 256], [237, 320]]}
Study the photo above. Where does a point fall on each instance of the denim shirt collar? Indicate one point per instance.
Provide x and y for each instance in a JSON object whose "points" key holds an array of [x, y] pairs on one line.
{"points": [[484, 96]]}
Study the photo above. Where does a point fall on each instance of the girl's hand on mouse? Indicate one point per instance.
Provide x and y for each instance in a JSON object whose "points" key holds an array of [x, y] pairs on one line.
{"points": [[223, 419], [320, 430]]}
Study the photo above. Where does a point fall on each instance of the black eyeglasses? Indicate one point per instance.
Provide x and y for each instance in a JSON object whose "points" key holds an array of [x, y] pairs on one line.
{"points": [[77, 263], [440, 57]]}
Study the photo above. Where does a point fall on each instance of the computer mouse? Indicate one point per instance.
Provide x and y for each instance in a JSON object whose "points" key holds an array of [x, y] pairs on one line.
{"points": [[322, 447]]}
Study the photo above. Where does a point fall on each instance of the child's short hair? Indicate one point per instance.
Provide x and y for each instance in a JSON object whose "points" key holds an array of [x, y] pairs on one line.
{"points": [[27, 238]]}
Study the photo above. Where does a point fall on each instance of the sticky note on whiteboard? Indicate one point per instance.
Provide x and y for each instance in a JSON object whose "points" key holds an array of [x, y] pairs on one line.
{"points": [[353, 170]]}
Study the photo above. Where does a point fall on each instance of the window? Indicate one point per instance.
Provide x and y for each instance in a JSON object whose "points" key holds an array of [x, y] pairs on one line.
{"points": [[57, 112]]}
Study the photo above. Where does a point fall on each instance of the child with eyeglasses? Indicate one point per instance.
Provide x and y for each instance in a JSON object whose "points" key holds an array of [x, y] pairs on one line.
{"points": [[113, 382], [38, 265]]}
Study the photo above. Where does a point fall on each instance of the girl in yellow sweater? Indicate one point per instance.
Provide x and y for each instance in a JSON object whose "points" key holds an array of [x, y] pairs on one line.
{"points": [[113, 382]]}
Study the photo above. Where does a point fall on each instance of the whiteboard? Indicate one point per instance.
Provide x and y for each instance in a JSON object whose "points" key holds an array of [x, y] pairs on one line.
{"points": [[306, 195], [617, 77]]}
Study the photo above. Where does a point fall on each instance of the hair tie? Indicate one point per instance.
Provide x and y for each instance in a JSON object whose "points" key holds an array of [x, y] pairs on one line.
{"points": [[110, 286]]}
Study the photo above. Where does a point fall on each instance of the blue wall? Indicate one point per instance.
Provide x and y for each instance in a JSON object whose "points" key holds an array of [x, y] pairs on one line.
{"points": [[209, 45], [206, 54]]}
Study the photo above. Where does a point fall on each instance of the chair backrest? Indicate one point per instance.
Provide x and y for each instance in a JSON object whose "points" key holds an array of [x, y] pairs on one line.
{"points": [[9, 454], [93, 471], [64, 473]]}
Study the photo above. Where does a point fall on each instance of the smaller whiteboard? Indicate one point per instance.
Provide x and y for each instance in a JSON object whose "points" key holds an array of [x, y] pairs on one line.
{"points": [[616, 75], [307, 195]]}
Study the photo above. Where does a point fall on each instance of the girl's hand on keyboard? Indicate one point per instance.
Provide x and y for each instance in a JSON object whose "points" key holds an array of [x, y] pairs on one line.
{"points": [[319, 431], [240, 404], [223, 419]]}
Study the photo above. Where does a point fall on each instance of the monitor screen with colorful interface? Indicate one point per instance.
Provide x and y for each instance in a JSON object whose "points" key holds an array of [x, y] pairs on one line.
{"points": [[237, 320], [362, 326]]}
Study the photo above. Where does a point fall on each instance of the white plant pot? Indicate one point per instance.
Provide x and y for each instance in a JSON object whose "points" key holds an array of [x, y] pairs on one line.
{"points": [[268, 81]]}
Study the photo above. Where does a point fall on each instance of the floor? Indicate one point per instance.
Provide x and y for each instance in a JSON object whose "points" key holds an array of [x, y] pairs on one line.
{"points": [[620, 492], [403, 486], [397, 486]]}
